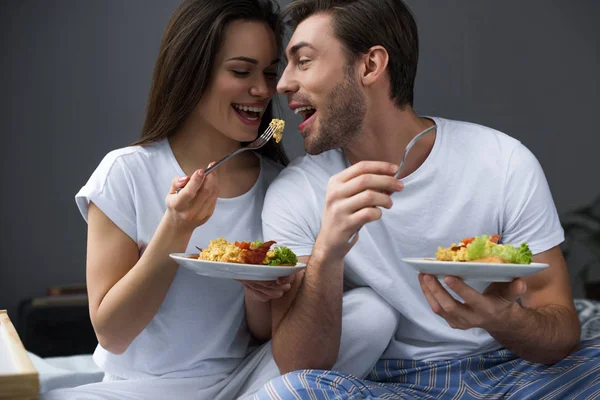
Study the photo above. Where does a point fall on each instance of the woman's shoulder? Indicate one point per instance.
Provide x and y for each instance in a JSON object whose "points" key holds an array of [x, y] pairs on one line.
{"points": [[133, 157], [125, 164]]}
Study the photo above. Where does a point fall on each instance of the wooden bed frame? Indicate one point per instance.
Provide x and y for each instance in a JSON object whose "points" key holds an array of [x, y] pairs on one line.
{"points": [[18, 377]]}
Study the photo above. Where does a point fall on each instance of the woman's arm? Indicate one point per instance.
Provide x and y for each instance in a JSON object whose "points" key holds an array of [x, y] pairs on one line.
{"points": [[126, 290]]}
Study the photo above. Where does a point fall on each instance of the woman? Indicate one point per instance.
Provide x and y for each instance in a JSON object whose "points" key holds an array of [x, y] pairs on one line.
{"points": [[211, 90]]}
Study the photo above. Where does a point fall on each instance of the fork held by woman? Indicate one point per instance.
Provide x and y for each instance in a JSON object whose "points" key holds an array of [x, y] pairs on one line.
{"points": [[275, 130]]}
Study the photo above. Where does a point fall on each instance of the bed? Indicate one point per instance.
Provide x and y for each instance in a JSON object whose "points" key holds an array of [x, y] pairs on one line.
{"points": [[70, 371]]}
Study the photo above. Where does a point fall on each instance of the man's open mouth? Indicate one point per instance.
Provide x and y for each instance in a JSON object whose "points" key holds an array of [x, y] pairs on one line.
{"points": [[309, 114], [248, 113], [305, 111]]}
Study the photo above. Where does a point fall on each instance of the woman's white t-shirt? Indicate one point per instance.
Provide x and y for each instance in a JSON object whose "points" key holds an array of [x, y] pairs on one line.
{"points": [[200, 328]]}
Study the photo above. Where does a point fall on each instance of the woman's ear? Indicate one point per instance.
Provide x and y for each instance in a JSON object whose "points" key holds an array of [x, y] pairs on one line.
{"points": [[375, 62]]}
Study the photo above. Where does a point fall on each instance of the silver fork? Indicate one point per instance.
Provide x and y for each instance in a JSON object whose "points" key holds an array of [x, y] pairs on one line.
{"points": [[406, 150], [255, 145]]}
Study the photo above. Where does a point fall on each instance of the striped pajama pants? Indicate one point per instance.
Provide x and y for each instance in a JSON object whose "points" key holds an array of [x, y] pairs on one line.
{"points": [[496, 375]]}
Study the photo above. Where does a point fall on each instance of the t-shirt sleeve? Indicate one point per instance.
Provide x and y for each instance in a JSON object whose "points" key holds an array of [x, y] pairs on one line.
{"points": [[111, 189], [529, 212], [289, 215]]}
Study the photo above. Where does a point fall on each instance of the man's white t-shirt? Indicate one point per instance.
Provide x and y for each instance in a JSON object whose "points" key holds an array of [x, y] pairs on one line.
{"points": [[200, 328], [475, 181]]}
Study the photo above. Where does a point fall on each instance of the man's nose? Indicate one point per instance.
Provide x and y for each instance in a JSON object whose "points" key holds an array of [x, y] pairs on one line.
{"points": [[287, 85]]}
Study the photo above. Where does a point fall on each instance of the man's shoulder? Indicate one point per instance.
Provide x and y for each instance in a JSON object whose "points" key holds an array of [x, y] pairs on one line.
{"points": [[308, 173], [310, 166], [473, 135], [477, 145]]}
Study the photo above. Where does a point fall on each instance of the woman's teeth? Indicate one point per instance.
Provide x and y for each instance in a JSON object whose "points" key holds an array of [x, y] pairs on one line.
{"points": [[250, 113], [246, 108]]}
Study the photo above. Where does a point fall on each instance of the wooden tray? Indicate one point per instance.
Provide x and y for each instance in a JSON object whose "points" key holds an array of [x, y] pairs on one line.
{"points": [[18, 377]]}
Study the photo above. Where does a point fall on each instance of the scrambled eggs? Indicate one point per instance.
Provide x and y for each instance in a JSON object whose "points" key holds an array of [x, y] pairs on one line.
{"points": [[485, 249], [458, 252], [220, 250], [246, 253], [277, 125]]}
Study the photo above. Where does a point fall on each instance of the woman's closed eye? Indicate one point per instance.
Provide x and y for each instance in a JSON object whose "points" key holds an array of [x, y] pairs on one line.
{"points": [[240, 73]]}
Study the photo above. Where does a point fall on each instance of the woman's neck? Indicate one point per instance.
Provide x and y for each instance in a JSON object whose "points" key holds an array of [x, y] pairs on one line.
{"points": [[195, 146]]}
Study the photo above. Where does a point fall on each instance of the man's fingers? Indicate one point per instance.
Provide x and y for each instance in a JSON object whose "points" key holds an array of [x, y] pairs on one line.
{"points": [[362, 217], [366, 199], [517, 288], [433, 303], [362, 183], [446, 301], [466, 292], [366, 167], [286, 279]]}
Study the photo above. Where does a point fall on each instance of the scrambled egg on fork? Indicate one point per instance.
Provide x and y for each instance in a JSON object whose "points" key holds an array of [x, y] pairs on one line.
{"points": [[277, 125]]}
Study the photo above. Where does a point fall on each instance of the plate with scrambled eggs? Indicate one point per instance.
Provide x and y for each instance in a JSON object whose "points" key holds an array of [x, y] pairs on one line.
{"points": [[480, 258], [241, 260]]}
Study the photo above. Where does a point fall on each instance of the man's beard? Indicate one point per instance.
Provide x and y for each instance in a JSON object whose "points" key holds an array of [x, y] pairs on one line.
{"points": [[343, 118]]}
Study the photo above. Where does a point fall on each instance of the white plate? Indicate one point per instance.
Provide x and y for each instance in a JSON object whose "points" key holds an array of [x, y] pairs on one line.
{"points": [[250, 272], [474, 271]]}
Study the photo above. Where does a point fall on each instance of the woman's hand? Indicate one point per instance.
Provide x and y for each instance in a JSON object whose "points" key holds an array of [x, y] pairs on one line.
{"points": [[194, 203], [264, 291]]}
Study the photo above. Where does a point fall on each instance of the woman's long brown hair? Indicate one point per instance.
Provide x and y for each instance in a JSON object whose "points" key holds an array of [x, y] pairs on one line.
{"points": [[183, 69]]}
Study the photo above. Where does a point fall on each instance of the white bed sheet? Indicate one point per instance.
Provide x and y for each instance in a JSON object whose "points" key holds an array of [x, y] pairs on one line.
{"points": [[65, 372]]}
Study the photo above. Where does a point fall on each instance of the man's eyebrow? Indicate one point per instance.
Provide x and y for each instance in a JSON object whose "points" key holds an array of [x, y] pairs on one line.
{"points": [[251, 60], [294, 49]]}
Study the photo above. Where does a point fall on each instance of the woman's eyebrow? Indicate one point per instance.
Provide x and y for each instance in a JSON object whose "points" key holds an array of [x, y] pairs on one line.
{"points": [[250, 60]]}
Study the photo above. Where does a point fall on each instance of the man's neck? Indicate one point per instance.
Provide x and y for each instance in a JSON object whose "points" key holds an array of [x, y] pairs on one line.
{"points": [[387, 132]]}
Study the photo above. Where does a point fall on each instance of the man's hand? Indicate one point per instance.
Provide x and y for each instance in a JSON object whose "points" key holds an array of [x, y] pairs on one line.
{"points": [[353, 199], [490, 310]]}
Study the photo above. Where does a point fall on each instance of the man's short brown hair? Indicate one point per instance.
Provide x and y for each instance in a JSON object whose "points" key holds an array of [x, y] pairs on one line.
{"points": [[362, 24]]}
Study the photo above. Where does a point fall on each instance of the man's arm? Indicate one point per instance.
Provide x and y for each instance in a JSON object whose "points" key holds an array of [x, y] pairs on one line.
{"points": [[307, 320], [544, 329]]}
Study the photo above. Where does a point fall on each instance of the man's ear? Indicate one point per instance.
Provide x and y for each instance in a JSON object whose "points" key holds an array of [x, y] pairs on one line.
{"points": [[375, 63]]}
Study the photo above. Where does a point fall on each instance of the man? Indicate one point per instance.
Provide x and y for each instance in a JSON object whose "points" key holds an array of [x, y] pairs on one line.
{"points": [[350, 74]]}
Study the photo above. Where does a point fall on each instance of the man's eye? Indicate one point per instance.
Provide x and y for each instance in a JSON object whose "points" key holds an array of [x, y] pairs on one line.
{"points": [[303, 61], [240, 73]]}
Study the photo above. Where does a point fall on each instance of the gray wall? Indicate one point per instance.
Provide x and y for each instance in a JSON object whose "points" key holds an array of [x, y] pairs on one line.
{"points": [[74, 76]]}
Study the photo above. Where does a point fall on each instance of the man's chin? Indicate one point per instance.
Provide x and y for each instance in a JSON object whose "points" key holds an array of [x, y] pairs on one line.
{"points": [[314, 147]]}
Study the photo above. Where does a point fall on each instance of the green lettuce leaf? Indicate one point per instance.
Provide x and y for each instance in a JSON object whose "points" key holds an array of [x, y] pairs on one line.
{"points": [[283, 255], [513, 255], [476, 249], [257, 244]]}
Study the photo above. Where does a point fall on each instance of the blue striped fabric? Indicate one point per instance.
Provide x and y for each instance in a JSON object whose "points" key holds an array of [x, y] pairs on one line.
{"points": [[497, 375]]}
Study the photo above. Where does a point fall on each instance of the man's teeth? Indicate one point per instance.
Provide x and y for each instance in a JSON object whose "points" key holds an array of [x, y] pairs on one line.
{"points": [[302, 109], [245, 108]]}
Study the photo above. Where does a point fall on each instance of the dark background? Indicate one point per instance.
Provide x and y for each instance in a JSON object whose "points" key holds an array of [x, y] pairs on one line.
{"points": [[74, 76]]}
